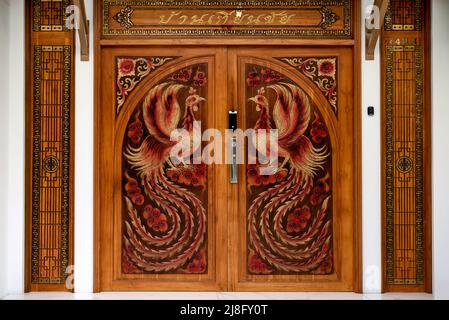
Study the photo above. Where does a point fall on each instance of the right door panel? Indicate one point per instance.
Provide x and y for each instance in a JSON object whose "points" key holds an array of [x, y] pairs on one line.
{"points": [[294, 230]]}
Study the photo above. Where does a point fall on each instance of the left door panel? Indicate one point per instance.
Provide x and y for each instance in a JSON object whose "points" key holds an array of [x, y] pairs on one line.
{"points": [[162, 223]]}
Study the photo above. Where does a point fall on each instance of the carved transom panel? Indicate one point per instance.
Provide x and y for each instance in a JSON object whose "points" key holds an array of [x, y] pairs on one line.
{"points": [[295, 18]]}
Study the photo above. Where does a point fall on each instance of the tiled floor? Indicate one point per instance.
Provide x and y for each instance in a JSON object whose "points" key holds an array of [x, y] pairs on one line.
{"points": [[217, 296]]}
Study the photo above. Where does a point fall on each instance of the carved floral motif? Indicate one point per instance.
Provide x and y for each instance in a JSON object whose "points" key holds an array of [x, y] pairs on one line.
{"points": [[124, 17], [322, 71], [329, 17], [130, 71]]}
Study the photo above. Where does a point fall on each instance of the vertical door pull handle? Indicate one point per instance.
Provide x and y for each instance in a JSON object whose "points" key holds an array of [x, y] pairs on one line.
{"points": [[234, 165]]}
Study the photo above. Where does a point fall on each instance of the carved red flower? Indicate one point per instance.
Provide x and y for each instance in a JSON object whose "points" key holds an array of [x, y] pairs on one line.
{"points": [[195, 182], [133, 191], [198, 263], [127, 266], [139, 200], [200, 170], [269, 75], [252, 172], [318, 130], [135, 130], [281, 175], [161, 226], [155, 219], [173, 175], [188, 175], [253, 79], [321, 190], [255, 179], [193, 175], [183, 75], [151, 214], [199, 80], [257, 265], [126, 67], [327, 266], [298, 220], [326, 68]]}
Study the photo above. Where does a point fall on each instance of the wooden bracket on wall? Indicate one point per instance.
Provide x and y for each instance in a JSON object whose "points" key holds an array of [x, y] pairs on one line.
{"points": [[372, 34], [83, 30]]}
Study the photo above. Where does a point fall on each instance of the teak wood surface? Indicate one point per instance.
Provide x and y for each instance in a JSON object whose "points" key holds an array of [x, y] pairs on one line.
{"points": [[407, 93], [226, 242], [52, 133]]}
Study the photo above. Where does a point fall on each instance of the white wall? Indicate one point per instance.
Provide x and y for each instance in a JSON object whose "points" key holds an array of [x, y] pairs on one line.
{"points": [[371, 147], [4, 56], [15, 150], [440, 126], [84, 161], [12, 126], [84, 167]]}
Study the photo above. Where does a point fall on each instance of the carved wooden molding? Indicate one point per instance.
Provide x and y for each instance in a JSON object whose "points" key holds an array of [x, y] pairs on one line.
{"points": [[196, 18], [83, 30], [372, 35]]}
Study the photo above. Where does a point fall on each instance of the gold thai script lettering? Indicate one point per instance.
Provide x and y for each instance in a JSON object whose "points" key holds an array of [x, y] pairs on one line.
{"points": [[226, 18]]}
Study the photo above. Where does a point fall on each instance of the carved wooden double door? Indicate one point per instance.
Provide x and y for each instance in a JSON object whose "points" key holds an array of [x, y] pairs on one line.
{"points": [[182, 226]]}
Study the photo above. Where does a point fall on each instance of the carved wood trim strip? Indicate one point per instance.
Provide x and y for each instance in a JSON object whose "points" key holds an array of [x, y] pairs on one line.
{"points": [[372, 34], [49, 161], [404, 164], [406, 148]]}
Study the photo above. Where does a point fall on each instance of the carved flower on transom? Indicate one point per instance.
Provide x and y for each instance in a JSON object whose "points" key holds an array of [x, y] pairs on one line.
{"points": [[126, 67], [326, 67]]}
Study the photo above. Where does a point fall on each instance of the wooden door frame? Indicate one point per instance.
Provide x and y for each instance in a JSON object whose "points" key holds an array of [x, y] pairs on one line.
{"points": [[355, 43]]}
